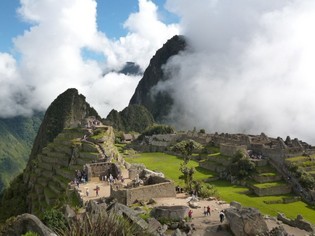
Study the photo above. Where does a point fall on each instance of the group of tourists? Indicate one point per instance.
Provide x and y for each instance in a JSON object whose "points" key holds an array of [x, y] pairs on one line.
{"points": [[207, 211], [80, 177]]}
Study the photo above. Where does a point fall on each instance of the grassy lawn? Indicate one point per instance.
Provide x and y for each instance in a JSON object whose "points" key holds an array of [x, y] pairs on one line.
{"points": [[169, 165], [229, 192]]}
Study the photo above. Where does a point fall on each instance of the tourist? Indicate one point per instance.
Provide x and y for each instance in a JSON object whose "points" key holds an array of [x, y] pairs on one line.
{"points": [[96, 190], [204, 211], [208, 211], [87, 191], [222, 215], [190, 214]]}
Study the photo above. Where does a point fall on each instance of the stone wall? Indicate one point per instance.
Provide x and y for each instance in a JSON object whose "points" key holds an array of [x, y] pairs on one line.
{"points": [[145, 193], [231, 149], [299, 222], [276, 190], [102, 169], [266, 179]]}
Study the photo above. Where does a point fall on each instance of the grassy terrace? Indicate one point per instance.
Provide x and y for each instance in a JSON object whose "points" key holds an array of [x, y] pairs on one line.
{"points": [[269, 184], [169, 165]]}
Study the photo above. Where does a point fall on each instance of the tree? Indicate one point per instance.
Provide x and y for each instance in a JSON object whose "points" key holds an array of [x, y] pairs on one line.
{"points": [[242, 166], [188, 173]]}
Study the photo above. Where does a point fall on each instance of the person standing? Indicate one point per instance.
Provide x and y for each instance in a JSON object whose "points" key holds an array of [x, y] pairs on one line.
{"points": [[222, 216], [208, 211], [190, 212]]}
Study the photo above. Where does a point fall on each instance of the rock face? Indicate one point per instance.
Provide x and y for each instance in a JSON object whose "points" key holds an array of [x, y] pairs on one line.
{"points": [[246, 221], [24, 223], [159, 104], [132, 118]]}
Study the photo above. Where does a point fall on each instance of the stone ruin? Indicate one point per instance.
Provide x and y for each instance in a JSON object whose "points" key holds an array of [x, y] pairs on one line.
{"points": [[102, 169], [145, 185]]}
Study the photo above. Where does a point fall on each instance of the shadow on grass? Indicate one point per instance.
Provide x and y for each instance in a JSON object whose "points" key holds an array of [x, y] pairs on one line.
{"points": [[205, 171]]}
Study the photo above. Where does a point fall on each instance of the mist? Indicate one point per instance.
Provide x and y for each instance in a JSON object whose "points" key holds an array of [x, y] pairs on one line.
{"points": [[249, 67], [64, 48]]}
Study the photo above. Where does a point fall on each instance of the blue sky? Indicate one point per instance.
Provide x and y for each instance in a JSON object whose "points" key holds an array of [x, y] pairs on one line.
{"points": [[111, 14]]}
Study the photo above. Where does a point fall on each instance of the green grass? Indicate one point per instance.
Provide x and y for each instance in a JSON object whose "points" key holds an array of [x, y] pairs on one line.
{"points": [[269, 184], [229, 192], [268, 174], [169, 165]]}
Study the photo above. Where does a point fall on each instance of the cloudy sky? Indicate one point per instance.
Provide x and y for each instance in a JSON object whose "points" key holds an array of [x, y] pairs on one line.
{"points": [[49, 46], [249, 68]]}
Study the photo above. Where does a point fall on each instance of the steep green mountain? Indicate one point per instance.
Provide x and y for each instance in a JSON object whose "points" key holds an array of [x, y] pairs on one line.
{"points": [[132, 118], [16, 139], [159, 104], [30, 189]]}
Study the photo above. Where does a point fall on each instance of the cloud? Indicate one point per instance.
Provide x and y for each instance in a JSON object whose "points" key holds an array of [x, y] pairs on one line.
{"points": [[54, 56], [248, 69]]}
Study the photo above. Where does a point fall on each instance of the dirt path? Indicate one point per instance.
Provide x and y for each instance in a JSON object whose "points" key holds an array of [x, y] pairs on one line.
{"points": [[204, 225]]}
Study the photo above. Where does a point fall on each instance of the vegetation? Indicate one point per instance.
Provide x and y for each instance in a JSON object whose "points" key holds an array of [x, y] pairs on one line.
{"points": [[169, 165], [16, 140], [133, 118], [13, 200], [298, 166], [224, 189], [230, 192], [186, 147], [241, 166], [157, 129], [55, 220], [103, 224]]}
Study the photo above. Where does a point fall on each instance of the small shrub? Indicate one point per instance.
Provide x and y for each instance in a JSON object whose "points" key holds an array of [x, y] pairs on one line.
{"points": [[54, 219]]}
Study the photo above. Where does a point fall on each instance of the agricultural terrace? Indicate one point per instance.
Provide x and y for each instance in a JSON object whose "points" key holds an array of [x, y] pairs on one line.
{"points": [[269, 205]]}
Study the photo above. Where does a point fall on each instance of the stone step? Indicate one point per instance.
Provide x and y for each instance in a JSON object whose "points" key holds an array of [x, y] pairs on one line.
{"points": [[48, 174], [66, 173], [62, 181], [43, 181], [45, 166], [55, 187], [90, 155], [88, 147]]}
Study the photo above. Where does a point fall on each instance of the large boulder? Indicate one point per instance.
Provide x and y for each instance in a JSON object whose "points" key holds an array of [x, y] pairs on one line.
{"points": [[246, 221], [172, 213], [25, 223]]}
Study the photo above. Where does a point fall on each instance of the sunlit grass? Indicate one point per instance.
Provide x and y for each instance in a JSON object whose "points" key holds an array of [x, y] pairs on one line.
{"points": [[169, 165]]}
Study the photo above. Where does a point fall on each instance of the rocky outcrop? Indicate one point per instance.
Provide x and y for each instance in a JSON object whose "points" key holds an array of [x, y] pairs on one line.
{"points": [[25, 223], [132, 118], [172, 213], [66, 111], [299, 222], [159, 104], [246, 221]]}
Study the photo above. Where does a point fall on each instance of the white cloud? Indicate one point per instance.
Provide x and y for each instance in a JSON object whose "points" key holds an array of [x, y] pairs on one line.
{"points": [[250, 67], [52, 55]]}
